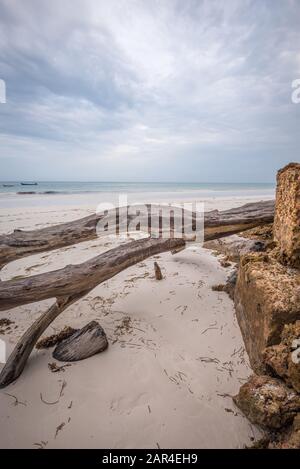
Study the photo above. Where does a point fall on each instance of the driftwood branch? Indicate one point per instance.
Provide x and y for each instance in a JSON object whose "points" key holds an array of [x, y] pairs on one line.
{"points": [[157, 271], [235, 220], [68, 285], [19, 356], [25, 243], [74, 279], [216, 224], [73, 282]]}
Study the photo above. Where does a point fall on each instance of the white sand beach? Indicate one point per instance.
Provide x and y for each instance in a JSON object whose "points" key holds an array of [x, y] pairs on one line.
{"points": [[193, 107], [175, 353]]}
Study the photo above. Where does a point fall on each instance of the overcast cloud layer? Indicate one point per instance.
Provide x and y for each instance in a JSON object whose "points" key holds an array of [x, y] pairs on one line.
{"points": [[148, 90]]}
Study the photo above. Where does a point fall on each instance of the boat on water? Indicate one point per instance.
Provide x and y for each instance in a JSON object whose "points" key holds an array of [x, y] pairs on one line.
{"points": [[29, 183], [8, 185]]}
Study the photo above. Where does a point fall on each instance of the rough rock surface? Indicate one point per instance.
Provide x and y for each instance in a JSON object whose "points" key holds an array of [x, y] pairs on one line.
{"points": [[268, 402], [287, 214], [267, 296], [289, 439], [283, 358]]}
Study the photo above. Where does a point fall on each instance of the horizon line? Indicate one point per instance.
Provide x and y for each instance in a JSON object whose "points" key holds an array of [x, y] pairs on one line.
{"points": [[129, 182]]}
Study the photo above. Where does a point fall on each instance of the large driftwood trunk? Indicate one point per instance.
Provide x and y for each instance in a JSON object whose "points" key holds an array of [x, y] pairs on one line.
{"points": [[75, 281], [216, 224], [24, 243], [67, 286], [19, 356], [235, 220]]}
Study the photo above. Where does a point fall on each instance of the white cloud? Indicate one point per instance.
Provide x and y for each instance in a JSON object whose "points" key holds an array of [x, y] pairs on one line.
{"points": [[142, 83]]}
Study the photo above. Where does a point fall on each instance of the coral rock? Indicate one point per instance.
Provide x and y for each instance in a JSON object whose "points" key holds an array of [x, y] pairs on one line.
{"points": [[268, 402], [284, 358], [289, 439], [287, 214], [267, 296]]}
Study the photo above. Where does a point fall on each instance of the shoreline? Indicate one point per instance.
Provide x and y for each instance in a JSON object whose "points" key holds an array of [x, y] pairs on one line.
{"points": [[92, 199], [20, 213]]}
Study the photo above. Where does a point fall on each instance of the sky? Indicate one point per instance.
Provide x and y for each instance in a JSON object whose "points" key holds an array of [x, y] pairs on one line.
{"points": [[133, 90]]}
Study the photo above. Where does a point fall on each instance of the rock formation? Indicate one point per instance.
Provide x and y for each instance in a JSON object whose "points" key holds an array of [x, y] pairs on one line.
{"points": [[287, 214], [267, 301], [284, 358], [267, 296], [268, 401], [289, 439]]}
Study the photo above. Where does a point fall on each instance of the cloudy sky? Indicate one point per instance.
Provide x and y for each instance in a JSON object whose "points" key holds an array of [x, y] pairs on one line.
{"points": [[156, 90]]}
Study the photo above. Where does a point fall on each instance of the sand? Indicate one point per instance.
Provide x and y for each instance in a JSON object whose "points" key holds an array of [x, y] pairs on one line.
{"points": [[175, 354]]}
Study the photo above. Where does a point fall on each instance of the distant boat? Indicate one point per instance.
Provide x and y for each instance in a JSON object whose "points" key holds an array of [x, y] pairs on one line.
{"points": [[8, 185], [29, 183]]}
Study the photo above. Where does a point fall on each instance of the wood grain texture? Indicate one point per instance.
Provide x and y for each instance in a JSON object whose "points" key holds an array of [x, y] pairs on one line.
{"points": [[85, 343], [216, 224], [157, 271], [19, 356], [74, 279], [74, 284]]}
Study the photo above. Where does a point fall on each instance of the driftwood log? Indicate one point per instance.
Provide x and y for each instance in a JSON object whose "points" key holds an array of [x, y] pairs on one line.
{"points": [[71, 283], [67, 286], [216, 224], [80, 278], [19, 356], [85, 343]]}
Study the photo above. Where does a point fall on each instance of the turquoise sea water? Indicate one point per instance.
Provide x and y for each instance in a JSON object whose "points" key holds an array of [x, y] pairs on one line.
{"points": [[15, 195], [52, 187]]}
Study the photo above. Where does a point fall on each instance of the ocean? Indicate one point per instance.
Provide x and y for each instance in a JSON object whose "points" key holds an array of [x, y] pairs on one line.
{"points": [[14, 194]]}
